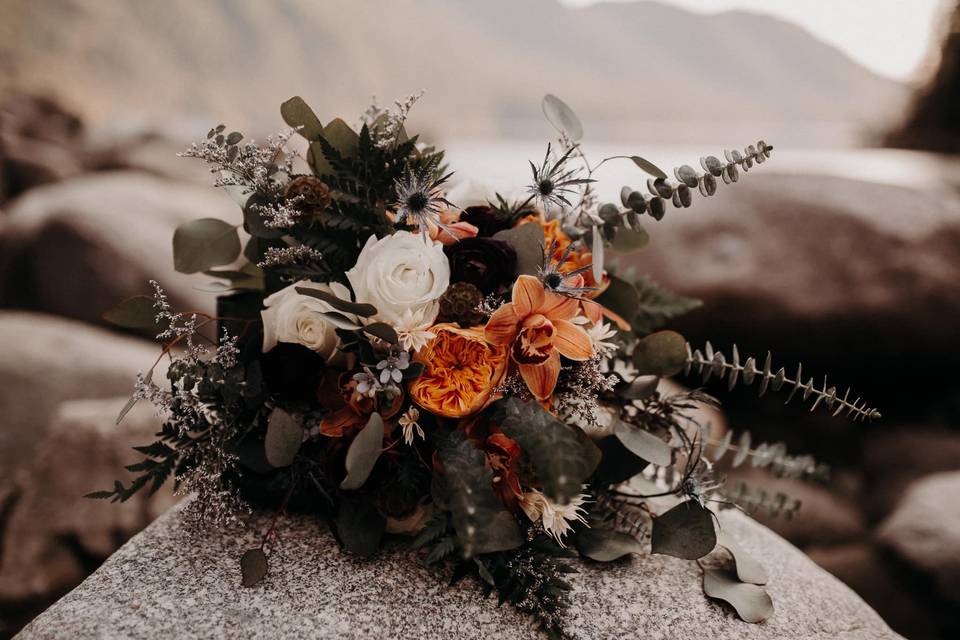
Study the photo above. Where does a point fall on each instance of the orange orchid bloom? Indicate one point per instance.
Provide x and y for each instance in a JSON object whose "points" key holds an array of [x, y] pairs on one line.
{"points": [[537, 326]]}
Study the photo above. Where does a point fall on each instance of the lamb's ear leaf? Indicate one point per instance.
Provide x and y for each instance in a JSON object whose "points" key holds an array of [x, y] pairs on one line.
{"points": [[298, 114], [752, 603]]}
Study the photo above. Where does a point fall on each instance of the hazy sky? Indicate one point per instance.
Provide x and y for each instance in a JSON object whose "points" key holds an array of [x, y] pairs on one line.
{"points": [[891, 37]]}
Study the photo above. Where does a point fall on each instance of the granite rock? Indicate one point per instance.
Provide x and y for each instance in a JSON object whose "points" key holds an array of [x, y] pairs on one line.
{"points": [[53, 533], [165, 583], [924, 530], [78, 247], [46, 360]]}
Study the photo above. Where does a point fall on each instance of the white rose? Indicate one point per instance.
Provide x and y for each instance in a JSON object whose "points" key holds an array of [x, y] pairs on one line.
{"points": [[401, 273], [290, 316]]}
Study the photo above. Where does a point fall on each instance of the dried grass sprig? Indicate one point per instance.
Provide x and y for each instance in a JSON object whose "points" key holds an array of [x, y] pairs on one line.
{"points": [[710, 363]]}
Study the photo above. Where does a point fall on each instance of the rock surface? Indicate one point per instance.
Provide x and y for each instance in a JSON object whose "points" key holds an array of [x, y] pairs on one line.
{"points": [[869, 271], [164, 583], [78, 247], [53, 534], [924, 530], [46, 360]]}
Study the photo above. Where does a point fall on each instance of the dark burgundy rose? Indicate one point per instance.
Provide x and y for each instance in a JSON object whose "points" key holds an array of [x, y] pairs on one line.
{"points": [[489, 265], [484, 219]]}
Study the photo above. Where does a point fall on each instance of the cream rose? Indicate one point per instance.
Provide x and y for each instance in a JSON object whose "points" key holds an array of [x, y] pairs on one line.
{"points": [[401, 273], [290, 316]]}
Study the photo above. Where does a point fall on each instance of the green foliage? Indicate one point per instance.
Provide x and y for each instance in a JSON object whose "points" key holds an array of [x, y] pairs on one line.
{"points": [[465, 489], [604, 545], [656, 305], [561, 458], [363, 453], [663, 353], [283, 438], [752, 603], [135, 313], [643, 443], [712, 363], [532, 579], [527, 240], [253, 566]]}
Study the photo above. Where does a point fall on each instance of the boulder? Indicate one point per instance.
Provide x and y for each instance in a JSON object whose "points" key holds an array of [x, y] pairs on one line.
{"points": [[78, 247], [168, 582], [894, 459], [53, 533], [825, 517], [856, 279], [924, 530], [46, 360]]}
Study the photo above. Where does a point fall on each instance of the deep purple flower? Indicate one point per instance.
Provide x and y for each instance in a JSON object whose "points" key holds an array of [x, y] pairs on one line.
{"points": [[489, 265]]}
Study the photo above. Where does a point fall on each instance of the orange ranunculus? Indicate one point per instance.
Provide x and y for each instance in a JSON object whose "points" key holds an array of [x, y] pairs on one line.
{"points": [[536, 324], [462, 370]]}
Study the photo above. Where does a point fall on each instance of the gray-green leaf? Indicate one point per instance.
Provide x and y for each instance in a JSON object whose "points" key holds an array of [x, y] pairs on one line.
{"points": [[649, 167], [752, 603], [643, 444], [663, 353], [201, 244], [363, 453], [604, 545], [298, 114], [356, 308], [253, 567], [748, 569], [283, 439], [685, 531], [527, 240], [134, 313]]}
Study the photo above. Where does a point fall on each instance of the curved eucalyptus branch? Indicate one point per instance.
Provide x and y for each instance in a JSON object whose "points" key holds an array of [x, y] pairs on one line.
{"points": [[713, 363]]}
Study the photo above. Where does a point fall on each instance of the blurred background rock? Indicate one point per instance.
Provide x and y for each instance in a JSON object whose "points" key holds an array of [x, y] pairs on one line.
{"points": [[843, 253]]}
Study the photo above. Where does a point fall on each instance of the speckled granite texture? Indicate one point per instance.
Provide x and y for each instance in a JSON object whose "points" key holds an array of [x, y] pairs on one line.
{"points": [[159, 585]]}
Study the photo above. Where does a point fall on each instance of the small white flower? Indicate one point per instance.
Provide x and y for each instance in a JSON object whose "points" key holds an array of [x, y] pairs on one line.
{"points": [[413, 331], [408, 421], [599, 333], [556, 518]]}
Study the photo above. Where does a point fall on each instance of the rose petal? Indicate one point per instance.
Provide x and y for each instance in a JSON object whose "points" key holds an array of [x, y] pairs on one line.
{"points": [[528, 294], [502, 326], [541, 379], [572, 341]]}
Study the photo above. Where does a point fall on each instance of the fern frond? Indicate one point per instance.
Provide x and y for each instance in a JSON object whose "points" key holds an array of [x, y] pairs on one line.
{"points": [[712, 363]]}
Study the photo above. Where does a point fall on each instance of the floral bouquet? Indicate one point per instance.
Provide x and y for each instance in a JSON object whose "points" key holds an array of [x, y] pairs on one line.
{"points": [[472, 378]]}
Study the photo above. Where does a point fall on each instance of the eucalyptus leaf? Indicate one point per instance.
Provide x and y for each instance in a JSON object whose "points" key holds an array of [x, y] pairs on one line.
{"points": [[201, 244], [641, 388], [342, 138], [648, 167], [562, 117], [253, 222], [630, 240], [361, 309], [604, 545], [663, 353], [134, 313], [748, 569], [527, 240], [685, 531], [297, 114], [644, 444], [253, 567], [752, 603], [283, 439], [621, 297], [561, 458], [617, 464], [363, 453]]}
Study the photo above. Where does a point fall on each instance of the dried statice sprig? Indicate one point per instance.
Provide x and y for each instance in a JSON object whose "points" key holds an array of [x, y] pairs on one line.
{"points": [[281, 214], [283, 256], [385, 124], [578, 387], [247, 166], [712, 363]]}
